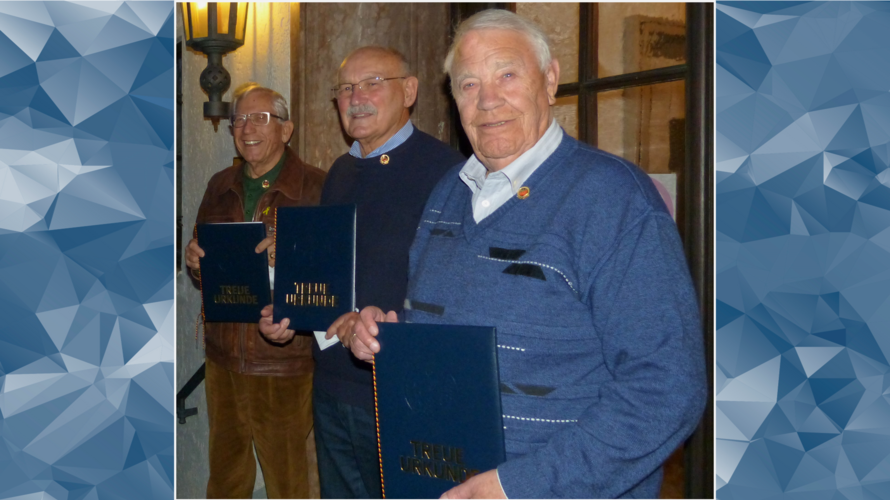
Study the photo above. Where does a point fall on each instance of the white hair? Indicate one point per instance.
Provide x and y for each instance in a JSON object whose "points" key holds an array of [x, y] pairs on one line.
{"points": [[500, 19], [279, 104]]}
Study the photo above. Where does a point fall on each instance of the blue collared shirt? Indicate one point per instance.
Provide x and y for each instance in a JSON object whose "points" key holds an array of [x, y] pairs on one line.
{"points": [[494, 189], [395, 141]]}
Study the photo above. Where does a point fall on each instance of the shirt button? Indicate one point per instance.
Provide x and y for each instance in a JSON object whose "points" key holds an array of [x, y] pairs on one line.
{"points": [[485, 203]]}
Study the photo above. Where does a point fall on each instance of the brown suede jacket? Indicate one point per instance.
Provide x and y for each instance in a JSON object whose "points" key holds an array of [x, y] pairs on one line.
{"points": [[240, 347]]}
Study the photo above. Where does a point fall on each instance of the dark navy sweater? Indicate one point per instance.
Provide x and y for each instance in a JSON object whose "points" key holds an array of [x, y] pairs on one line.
{"points": [[389, 200], [600, 348]]}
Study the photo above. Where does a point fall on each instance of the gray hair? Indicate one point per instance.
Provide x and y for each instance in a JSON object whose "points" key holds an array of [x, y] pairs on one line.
{"points": [[500, 19], [279, 104], [404, 67]]}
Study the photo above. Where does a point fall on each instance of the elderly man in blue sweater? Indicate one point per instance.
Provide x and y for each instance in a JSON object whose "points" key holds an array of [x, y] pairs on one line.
{"points": [[572, 255]]}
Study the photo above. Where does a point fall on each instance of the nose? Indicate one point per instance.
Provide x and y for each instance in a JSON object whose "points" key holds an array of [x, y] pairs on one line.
{"points": [[248, 127], [358, 96], [489, 96]]}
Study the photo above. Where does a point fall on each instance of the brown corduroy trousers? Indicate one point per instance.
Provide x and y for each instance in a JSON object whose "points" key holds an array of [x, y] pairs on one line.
{"points": [[272, 413]]}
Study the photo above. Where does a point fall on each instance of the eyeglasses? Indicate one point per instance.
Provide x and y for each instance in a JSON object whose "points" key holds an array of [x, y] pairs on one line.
{"points": [[366, 85], [258, 119]]}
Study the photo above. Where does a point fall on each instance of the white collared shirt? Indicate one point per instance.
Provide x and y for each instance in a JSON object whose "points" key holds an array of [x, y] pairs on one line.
{"points": [[393, 142], [493, 190]]}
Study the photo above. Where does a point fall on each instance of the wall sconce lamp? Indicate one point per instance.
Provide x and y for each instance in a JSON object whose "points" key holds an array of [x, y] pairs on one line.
{"points": [[214, 29]]}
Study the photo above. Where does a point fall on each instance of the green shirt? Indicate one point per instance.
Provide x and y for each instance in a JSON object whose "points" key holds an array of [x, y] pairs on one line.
{"points": [[254, 188]]}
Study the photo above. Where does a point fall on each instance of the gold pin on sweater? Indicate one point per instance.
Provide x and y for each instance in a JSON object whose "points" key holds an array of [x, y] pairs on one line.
{"points": [[265, 183], [522, 193], [384, 159]]}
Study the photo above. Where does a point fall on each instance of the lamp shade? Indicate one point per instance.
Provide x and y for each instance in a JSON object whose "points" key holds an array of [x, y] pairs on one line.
{"points": [[214, 28], [220, 22]]}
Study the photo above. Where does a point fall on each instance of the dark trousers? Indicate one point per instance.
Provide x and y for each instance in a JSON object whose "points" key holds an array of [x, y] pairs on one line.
{"points": [[272, 413], [346, 443]]}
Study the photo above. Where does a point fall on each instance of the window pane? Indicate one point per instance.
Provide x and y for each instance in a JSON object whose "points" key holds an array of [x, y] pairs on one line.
{"points": [[645, 125], [566, 113], [640, 36], [561, 22]]}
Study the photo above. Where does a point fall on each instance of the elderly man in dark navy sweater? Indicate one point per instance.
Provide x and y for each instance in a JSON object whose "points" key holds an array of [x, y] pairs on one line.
{"points": [[572, 255], [389, 174]]}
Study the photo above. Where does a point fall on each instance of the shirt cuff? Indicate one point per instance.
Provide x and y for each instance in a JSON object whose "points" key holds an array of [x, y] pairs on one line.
{"points": [[498, 475]]}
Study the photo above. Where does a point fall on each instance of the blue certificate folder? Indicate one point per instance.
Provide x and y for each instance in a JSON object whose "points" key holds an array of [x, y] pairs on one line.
{"points": [[314, 265], [438, 400], [234, 278]]}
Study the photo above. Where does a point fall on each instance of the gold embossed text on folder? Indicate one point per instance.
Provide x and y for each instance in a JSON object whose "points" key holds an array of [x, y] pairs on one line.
{"points": [[311, 295], [234, 295]]}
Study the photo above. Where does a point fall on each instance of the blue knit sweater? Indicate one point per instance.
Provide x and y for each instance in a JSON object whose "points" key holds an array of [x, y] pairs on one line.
{"points": [[600, 345]]}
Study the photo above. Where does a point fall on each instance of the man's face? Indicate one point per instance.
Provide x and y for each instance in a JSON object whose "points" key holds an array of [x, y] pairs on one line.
{"points": [[372, 117], [503, 98], [261, 146]]}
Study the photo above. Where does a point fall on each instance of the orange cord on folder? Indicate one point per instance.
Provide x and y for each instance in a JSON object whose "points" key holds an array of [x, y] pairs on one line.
{"points": [[377, 421]]}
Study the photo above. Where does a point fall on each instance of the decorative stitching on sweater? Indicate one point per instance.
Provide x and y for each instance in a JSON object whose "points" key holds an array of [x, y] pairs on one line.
{"points": [[512, 348], [532, 419], [536, 263], [440, 222], [437, 211]]}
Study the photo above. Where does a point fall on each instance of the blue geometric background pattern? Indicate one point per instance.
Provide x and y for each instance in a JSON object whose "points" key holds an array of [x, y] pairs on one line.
{"points": [[86, 250], [803, 250]]}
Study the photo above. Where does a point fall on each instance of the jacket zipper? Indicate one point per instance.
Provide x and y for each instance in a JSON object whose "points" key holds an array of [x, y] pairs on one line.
{"points": [[256, 212]]}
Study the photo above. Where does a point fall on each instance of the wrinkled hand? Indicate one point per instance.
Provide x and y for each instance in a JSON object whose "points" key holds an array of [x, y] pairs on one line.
{"points": [[267, 243], [274, 332], [363, 344], [485, 485], [342, 327], [193, 254]]}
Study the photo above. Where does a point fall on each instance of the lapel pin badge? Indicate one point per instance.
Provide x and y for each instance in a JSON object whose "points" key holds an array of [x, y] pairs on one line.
{"points": [[522, 193], [384, 159]]}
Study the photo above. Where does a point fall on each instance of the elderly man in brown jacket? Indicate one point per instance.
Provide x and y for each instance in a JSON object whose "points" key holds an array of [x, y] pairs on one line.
{"points": [[258, 393]]}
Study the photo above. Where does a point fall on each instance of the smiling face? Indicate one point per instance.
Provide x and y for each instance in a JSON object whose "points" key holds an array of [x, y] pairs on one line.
{"points": [[261, 146], [372, 117], [503, 97]]}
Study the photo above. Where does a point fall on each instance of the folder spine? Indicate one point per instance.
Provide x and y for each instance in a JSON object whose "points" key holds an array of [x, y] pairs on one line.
{"points": [[200, 291]]}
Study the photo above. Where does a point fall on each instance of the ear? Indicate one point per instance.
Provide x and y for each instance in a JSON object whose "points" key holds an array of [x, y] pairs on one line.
{"points": [[551, 75], [287, 129], [410, 91]]}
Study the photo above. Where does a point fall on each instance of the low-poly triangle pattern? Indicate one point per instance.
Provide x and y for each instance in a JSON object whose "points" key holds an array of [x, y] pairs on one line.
{"points": [[803, 250], [86, 250]]}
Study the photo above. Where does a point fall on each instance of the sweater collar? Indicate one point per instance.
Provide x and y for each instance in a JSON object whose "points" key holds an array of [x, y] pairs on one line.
{"points": [[566, 146]]}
